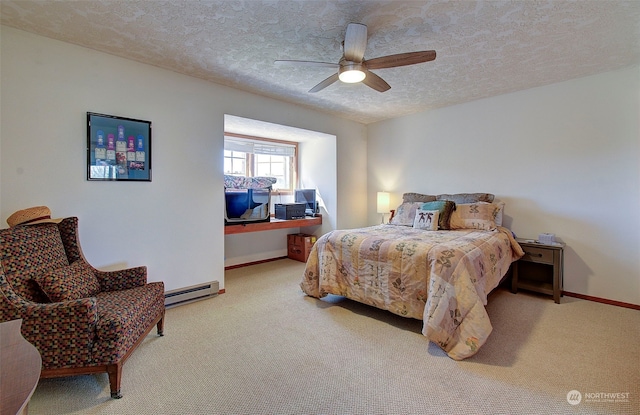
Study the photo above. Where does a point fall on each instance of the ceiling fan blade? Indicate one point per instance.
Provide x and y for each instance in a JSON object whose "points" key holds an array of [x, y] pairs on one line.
{"points": [[306, 63], [401, 59], [322, 85], [374, 81], [355, 42]]}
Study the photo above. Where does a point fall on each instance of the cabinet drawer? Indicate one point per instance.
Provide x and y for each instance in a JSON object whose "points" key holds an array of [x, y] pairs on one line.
{"points": [[535, 254]]}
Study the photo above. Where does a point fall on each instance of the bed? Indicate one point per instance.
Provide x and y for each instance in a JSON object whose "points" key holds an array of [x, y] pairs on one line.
{"points": [[437, 261]]}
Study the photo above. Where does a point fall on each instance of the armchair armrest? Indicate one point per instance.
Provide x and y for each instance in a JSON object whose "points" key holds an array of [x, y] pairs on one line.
{"points": [[82, 312], [122, 279], [68, 326]]}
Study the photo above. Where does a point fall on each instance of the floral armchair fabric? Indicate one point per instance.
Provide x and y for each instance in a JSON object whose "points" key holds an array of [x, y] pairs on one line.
{"points": [[81, 320]]}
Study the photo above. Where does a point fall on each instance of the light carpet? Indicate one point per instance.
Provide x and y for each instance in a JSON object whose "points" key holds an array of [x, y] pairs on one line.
{"points": [[263, 347]]}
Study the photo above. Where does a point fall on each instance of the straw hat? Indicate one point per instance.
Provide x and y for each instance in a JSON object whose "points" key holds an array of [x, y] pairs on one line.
{"points": [[31, 216]]}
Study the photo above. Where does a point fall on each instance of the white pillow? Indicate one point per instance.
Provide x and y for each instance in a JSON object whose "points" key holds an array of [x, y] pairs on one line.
{"points": [[426, 219], [405, 213]]}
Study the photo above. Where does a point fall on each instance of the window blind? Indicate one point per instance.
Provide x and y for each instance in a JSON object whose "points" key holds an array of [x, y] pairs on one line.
{"points": [[248, 146]]}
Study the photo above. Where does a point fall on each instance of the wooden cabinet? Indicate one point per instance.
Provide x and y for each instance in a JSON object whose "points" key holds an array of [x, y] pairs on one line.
{"points": [[540, 269]]}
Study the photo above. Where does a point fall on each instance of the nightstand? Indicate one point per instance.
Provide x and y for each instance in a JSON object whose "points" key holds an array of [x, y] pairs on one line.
{"points": [[540, 269]]}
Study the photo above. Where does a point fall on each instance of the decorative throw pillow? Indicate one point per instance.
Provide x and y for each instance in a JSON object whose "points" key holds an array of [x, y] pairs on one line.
{"points": [[426, 219], [480, 216], [462, 198], [69, 282], [417, 197], [445, 207], [500, 212], [405, 214]]}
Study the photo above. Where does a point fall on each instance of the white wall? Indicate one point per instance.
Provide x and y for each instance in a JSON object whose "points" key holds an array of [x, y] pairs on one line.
{"points": [[564, 158], [318, 170], [174, 224]]}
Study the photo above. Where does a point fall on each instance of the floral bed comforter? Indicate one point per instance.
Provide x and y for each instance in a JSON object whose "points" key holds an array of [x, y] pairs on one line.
{"points": [[440, 277]]}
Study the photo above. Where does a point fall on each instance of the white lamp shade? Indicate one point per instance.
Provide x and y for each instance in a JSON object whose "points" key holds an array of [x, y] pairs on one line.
{"points": [[383, 202]]}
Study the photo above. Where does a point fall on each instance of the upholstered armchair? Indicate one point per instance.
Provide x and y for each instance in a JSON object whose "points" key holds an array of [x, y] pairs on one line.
{"points": [[81, 320]]}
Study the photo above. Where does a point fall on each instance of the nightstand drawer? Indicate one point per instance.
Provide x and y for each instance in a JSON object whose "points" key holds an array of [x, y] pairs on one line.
{"points": [[535, 254]]}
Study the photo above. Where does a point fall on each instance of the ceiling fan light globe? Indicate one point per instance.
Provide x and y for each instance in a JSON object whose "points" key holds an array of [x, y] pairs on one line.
{"points": [[351, 73], [352, 76]]}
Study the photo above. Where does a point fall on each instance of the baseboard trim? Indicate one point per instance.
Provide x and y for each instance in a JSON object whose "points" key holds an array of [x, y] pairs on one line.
{"points": [[262, 261], [602, 300]]}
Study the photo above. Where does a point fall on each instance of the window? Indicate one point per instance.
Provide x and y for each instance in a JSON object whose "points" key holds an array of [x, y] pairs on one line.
{"points": [[254, 156], [235, 163]]}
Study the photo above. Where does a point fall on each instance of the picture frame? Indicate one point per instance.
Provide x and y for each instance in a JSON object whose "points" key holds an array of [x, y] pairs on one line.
{"points": [[118, 148]]}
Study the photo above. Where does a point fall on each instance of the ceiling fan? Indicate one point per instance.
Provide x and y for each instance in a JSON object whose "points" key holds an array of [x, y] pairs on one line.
{"points": [[354, 68]]}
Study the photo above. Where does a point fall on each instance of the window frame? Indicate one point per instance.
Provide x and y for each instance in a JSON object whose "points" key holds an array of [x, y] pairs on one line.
{"points": [[249, 160]]}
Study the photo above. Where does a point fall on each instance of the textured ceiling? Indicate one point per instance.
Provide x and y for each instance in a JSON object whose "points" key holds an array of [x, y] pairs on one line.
{"points": [[484, 48]]}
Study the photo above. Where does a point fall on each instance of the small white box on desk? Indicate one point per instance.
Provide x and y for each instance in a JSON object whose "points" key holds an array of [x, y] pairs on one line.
{"points": [[547, 238]]}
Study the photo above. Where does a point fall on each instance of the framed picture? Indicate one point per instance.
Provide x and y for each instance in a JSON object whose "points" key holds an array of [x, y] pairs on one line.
{"points": [[118, 148]]}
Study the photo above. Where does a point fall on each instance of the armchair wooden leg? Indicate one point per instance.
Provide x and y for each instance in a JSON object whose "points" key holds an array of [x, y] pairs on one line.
{"points": [[115, 374], [160, 326]]}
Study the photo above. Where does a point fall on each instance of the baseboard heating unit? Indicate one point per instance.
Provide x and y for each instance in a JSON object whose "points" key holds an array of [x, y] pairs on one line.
{"points": [[190, 294]]}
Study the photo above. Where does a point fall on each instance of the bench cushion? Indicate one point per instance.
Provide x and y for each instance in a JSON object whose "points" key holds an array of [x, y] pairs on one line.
{"points": [[123, 316]]}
